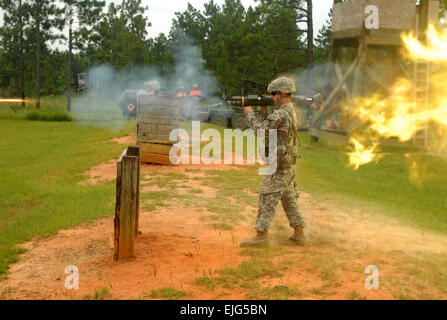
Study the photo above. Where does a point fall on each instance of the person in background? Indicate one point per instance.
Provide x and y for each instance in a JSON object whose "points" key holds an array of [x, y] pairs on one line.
{"points": [[195, 90], [181, 92]]}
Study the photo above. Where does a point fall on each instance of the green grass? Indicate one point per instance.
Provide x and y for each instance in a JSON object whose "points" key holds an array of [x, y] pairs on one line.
{"points": [[47, 116], [389, 185], [92, 108], [275, 293], [42, 167], [247, 274], [100, 294], [167, 294]]}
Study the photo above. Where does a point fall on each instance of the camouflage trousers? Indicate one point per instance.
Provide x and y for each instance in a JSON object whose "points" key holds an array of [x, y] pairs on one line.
{"points": [[279, 186]]}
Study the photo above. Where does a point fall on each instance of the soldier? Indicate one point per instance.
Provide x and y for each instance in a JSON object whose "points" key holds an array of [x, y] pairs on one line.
{"points": [[152, 87], [281, 185]]}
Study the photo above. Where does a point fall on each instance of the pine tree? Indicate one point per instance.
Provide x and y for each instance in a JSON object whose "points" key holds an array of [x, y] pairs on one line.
{"points": [[45, 15], [12, 35], [85, 13]]}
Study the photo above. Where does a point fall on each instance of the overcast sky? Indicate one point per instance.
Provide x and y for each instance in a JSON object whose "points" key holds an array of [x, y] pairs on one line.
{"points": [[161, 12]]}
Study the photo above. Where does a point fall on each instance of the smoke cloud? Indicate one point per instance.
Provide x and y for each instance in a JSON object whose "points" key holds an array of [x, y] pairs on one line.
{"points": [[105, 84]]}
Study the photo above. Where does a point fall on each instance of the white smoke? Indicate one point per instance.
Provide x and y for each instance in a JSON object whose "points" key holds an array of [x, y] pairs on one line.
{"points": [[189, 66], [98, 105]]}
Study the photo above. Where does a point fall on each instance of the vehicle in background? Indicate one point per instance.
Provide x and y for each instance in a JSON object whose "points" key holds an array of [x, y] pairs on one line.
{"points": [[85, 84], [128, 103], [82, 82]]}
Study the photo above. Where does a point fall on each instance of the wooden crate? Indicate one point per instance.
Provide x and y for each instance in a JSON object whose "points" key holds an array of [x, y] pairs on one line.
{"points": [[157, 116]]}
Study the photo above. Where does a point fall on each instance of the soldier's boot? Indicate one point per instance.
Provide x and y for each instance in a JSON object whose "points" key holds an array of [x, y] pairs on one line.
{"points": [[260, 239], [298, 235]]}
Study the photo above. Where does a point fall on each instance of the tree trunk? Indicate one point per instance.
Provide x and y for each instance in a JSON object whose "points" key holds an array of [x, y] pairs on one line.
{"points": [[38, 56], [310, 47], [22, 68], [70, 47]]}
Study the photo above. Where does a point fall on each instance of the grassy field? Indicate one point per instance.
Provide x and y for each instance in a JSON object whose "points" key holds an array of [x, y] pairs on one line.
{"points": [[407, 184], [42, 164], [93, 108]]}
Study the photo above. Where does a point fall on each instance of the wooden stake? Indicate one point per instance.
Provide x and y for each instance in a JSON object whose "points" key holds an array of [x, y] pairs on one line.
{"points": [[126, 205]]}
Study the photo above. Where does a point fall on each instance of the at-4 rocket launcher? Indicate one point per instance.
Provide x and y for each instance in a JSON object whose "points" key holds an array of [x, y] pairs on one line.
{"points": [[264, 100]]}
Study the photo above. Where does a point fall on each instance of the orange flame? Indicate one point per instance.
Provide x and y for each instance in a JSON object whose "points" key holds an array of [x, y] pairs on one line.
{"points": [[13, 100], [399, 115], [361, 155], [434, 50]]}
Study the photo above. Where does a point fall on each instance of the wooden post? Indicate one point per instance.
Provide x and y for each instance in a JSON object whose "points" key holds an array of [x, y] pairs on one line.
{"points": [[127, 203]]}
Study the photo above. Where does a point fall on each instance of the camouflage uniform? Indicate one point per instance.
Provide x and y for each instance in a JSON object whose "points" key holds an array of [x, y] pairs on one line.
{"points": [[281, 185]]}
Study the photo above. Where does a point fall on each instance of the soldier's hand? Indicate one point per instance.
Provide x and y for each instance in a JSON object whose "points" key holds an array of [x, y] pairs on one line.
{"points": [[247, 110]]}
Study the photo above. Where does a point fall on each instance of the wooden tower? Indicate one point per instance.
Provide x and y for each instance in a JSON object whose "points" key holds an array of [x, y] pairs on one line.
{"points": [[365, 60]]}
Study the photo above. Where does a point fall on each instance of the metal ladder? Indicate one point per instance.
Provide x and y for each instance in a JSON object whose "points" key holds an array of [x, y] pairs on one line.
{"points": [[421, 80]]}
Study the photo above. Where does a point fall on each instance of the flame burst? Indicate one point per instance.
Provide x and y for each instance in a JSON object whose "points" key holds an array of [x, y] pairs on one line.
{"points": [[13, 100], [399, 115], [361, 154], [436, 47]]}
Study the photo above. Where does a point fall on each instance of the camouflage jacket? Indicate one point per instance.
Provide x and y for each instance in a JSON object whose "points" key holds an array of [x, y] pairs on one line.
{"points": [[285, 121]]}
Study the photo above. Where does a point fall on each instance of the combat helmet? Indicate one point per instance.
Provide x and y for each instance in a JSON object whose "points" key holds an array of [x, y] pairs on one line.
{"points": [[283, 85], [152, 85]]}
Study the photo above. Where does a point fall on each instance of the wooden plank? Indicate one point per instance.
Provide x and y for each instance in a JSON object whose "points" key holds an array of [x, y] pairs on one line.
{"points": [[147, 100], [155, 138], [156, 128], [160, 111], [383, 41], [164, 134], [155, 148], [116, 221], [382, 81], [317, 121], [155, 158], [159, 141], [146, 118], [340, 84], [145, 107], [339, 75]]}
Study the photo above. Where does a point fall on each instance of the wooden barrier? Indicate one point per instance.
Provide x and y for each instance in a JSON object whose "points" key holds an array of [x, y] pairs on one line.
{"points": [[157, 116], [127, 203]]}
